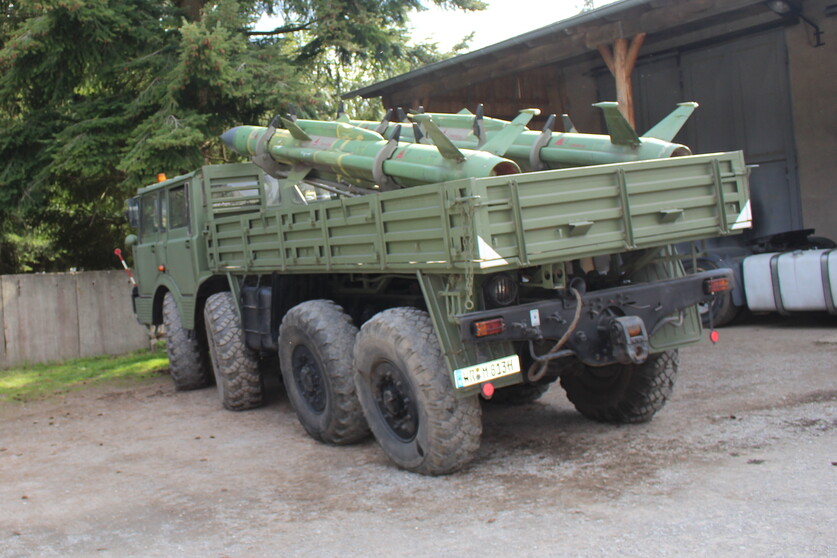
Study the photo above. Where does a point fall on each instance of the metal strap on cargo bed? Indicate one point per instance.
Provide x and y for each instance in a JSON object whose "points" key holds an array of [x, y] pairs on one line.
{"points": [[826, 282], [262, 158], [719, 191]]}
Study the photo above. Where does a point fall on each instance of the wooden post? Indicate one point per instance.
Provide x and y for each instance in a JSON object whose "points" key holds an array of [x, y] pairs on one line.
{"points": [[621, 60]]}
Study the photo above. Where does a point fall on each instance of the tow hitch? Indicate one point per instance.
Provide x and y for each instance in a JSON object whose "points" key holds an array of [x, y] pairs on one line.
{"points": [[629, 339]]}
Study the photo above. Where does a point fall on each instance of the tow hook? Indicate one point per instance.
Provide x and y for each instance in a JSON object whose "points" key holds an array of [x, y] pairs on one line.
{"points": [[629, 339]]}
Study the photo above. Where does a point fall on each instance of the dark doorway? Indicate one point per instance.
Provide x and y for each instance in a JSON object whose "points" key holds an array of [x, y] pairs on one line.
{"points": [[742, 88]]}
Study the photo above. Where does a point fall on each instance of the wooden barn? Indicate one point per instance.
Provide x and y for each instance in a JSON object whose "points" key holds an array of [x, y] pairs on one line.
{"points": [[763, 72]]}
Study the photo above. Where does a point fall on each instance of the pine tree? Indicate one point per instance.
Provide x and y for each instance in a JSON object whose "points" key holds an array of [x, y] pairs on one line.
{"points": [[98, 96]]}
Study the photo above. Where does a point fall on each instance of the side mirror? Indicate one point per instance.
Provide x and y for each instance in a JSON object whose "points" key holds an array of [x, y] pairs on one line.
{"points": [[131, 241]]}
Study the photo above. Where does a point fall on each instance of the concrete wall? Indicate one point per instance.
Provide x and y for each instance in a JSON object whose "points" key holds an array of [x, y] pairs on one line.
{"points": [[66, 315], [813, 81]]}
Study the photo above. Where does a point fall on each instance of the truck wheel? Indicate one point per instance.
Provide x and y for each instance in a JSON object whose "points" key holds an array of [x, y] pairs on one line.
{"points": [[408, 398], [316, 340], [622, 393], [187, 360], [519, 394], [235, 366]]}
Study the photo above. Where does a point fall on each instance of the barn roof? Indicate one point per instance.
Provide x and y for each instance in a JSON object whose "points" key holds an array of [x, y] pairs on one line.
{"points": [[667, 23]]}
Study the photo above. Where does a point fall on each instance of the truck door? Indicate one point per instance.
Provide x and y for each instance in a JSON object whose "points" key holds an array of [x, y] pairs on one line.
{"points": [[146, 250], [179, 248]]}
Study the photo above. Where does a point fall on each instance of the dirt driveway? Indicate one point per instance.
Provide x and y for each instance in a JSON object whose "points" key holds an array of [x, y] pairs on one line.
{"points": [[742, 462]]}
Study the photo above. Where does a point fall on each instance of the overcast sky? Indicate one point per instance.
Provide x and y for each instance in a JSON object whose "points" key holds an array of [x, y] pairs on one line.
{"points": [[501, 20]]}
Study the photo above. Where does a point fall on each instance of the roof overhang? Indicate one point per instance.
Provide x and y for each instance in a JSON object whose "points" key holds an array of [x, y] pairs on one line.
{"points": [[668, 24]]}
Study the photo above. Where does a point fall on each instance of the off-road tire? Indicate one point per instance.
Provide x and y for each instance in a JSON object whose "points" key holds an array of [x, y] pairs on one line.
{"points": [[622, 393], [408, 398], [187, 359], [235, 365], [316, 340], [519, 394]]}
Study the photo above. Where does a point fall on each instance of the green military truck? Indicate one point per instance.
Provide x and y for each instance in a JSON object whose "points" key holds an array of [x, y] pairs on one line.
{"points": [[396, 311]]}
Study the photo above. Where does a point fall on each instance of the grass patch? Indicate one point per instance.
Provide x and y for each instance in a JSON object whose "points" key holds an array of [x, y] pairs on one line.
{"points": [[39, 381]]}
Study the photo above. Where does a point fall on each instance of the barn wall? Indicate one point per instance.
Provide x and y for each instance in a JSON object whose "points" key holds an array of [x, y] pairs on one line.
{"points": [[813, 80]]}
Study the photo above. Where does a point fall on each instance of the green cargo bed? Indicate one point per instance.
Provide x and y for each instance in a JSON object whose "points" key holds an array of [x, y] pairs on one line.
{"points": [[486, 224]]}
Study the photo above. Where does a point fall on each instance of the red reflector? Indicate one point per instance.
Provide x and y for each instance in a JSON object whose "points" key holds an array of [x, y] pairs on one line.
{"points": [[161, 268], [487, 390], [489, 327], [716, 285], [713, 336]]}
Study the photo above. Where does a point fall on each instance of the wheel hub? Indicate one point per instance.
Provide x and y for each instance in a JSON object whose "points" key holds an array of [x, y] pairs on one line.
{"points": [[309, 378], [394, 399]]}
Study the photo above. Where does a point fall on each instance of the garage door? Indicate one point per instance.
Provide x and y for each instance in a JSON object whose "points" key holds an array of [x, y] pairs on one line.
{"points": [[742, 88]]}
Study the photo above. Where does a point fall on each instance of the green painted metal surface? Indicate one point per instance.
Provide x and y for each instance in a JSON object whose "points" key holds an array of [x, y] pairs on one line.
{"points": [[486, 225], [534, 150]]}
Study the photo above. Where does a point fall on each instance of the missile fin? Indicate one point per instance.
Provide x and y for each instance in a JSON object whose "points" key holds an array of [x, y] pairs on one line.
{"points": [[294, 179], [382, 127], [464, 111], [381, 179], [549, 126], [296, 132], [569, 127], [479, 126], [620, 130], [439, 139], [341, 113], [669, 126], [501, 141], [400, 115]]}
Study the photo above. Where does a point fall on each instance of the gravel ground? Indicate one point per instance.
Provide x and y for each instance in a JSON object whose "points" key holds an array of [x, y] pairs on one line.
{"points": [[742, 462]]}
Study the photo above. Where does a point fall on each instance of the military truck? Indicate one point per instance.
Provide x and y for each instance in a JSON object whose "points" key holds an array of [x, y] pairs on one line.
{"points": [[397, 311]]}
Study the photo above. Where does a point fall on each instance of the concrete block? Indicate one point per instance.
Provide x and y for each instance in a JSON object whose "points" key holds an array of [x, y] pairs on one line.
{"points": [[2, 327], [40, 317], [107, 324]]}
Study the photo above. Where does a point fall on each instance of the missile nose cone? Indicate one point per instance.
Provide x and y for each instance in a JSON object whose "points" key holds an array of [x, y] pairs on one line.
{"points": [[228, 137]]}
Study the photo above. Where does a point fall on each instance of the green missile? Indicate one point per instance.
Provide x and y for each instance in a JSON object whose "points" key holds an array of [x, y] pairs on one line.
{"points": [[360, 156], [534, 150]]}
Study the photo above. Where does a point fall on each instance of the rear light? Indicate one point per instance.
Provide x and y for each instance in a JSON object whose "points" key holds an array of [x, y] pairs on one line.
{"points": [[500, 289], [634, 330], [488, 327], [716, 285], [487, 390]]}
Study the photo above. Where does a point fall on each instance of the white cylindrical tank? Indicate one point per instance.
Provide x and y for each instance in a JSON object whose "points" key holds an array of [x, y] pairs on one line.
{"points": [[804, 280]]}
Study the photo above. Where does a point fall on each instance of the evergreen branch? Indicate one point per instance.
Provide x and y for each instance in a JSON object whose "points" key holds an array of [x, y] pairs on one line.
{"points": [[283, 29]]}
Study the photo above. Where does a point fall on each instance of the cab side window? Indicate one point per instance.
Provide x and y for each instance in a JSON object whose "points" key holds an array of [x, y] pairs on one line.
{"points": [[178, 207], [162, 211], [148, 213]]}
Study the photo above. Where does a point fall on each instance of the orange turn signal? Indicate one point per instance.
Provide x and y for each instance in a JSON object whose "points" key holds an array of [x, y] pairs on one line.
{"points": [[489, 327], [161, 268], [716, 285]]}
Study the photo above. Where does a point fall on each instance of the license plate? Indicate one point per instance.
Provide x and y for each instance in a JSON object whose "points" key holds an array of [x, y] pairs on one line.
{"points": [[486, 371]]}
